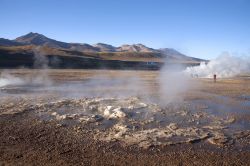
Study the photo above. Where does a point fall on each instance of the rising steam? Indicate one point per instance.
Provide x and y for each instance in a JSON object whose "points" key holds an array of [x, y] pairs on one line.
{"points": [[172, 82], [224, 66], [7, 79]]}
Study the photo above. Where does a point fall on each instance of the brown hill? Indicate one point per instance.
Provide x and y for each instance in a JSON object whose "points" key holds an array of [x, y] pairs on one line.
{"points": [[22, 50]]}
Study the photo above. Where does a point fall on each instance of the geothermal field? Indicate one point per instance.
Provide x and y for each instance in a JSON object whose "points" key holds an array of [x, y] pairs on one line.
{"points": [[110, 117]]}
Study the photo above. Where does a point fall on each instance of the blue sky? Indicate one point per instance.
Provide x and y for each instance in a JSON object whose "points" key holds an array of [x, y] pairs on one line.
{"points": [[199, 28]]}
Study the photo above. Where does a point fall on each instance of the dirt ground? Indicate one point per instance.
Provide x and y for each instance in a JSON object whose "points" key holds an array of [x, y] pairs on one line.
{"points": [[30, 135]]}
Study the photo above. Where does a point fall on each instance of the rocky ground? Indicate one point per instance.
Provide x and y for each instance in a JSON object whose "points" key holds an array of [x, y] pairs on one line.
{"points": [[42, 126]]}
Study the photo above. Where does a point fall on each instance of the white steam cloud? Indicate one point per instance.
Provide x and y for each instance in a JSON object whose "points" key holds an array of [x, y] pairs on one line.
{"points": [[38, 77], [224, 66], [7, 79], [174, 84]]}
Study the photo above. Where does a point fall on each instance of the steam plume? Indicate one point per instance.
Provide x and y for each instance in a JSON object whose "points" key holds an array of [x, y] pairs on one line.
{"points": [[7, 79], [224, 66]]}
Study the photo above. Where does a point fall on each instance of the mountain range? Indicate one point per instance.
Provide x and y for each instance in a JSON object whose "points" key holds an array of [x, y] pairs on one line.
{"points": [[26, 45]]}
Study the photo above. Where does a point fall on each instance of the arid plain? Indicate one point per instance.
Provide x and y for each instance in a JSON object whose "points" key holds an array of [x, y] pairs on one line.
{"points": [[123, 117]]}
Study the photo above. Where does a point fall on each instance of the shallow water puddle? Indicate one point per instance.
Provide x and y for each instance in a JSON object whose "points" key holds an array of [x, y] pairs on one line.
{"points": [[227, 108]]}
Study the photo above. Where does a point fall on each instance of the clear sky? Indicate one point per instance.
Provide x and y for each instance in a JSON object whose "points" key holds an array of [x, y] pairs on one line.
{"points": [[199, 28]]}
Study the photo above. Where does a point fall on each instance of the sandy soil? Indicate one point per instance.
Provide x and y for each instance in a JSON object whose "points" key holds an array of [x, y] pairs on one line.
{"points": [[40, 126]]}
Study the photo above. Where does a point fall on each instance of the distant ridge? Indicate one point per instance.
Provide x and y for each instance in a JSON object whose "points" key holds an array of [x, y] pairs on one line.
{"points": [[7, 42], [22, 51], [41, 40]]}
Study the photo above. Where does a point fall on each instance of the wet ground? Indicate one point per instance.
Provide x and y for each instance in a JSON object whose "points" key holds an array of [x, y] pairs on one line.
{"points": [[121, 115]]}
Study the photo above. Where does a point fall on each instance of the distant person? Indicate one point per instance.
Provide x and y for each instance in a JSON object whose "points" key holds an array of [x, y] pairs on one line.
{"points": [[214, 78]]}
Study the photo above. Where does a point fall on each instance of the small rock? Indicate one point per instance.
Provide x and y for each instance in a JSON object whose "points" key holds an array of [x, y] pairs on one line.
{"points": [[117, 113], [54, 113], [230, 120], [173, 126], [107, 111], [219, 139], [97, 117]]}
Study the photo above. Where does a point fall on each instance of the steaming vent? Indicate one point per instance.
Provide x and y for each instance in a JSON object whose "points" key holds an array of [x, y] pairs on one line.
{"points": [[224, 66], [147, 108]]}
